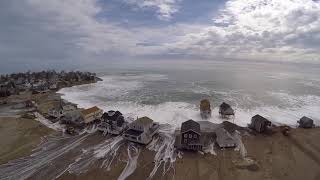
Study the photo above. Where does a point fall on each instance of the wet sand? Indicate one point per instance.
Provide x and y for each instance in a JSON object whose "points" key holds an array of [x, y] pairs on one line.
{"points": [[19, 136], [269, 157]]}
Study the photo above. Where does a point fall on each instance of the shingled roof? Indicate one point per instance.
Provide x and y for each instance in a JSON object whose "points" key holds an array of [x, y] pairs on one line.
{"points": [[224, 106], [190, 125], [90, 110], [205, 105], [144, 120], [258, 118]]}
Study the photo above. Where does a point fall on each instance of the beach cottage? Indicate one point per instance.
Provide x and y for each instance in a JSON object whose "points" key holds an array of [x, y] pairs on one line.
{"points": [[305, 122], [191, 136], [259, 123], [205, 109], [225, 110], [63, 109], [113, 122], [91, 114], [141, 130]]}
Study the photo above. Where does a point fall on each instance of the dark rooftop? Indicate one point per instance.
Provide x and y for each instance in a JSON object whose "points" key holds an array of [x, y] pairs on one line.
{"points": [[133, 132], [190, 125], [259, 118], [224, 106]]}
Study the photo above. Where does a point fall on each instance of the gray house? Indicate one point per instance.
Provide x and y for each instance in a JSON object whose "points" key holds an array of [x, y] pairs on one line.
{"points": [[225, 110], [224, 139], [61, 110], [113, 122], [259, 123], [191, 136], [306, 122], [141, 130]]}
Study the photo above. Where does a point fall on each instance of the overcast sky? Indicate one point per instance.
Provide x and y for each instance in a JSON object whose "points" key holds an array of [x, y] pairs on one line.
{"points": [[45, 34]]}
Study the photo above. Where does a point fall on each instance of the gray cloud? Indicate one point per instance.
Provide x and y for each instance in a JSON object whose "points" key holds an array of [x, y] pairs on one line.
{"points": [[73, 34], [258, 29]]}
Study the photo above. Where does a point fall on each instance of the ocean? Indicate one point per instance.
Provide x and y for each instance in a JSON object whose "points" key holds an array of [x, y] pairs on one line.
{"points": [[169, 92]]}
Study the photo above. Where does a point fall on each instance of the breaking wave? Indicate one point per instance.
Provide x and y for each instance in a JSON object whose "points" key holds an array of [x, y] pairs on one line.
{"points": [[121, 93]]}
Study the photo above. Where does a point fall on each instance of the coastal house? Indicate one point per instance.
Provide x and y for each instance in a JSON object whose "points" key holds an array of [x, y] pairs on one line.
{"points": [[4, 91], [141, 130], [224, 139], [61, 110], [53, 86], [205, 109], [259, 123], [55, 112], [306, 122], [73, 118], [190, 136], [225, 110], [39, 88], [91, 114], [113, 122]]}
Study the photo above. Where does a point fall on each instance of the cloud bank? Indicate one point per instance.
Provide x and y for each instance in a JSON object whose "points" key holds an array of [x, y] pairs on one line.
{"points": [[64, 33]]}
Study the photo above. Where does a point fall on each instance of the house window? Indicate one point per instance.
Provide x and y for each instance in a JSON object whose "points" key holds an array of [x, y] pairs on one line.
{"points": [[190, 136], [185, 135], [185, 140], [195, 136]]}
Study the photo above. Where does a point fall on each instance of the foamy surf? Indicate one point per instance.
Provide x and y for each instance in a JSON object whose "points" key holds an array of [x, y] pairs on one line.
{"points": [[106, 150], [39, 162], [166, 153], [132, 161]]}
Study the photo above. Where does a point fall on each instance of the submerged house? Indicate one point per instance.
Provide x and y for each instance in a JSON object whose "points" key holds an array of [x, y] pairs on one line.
{"points": [[191, 136], [224, 139], [113, 122], [306, 122], [225, 110], [141, 130], [91, 114], [205, 109], [259, 123]]}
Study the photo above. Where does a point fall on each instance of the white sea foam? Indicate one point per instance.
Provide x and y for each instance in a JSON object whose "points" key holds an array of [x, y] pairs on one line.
{"points": [[132, 162], [210, 149], [39, 162], [106, 150], [240, 146], [291, 109], [166, 153]]}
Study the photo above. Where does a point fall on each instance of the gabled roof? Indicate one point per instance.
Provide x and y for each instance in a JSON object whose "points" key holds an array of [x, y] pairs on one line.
{"points": [[224, 106], [305, 119], [258, 119], [144, 120], [190, 125], [226, 109], [90, 110]]}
